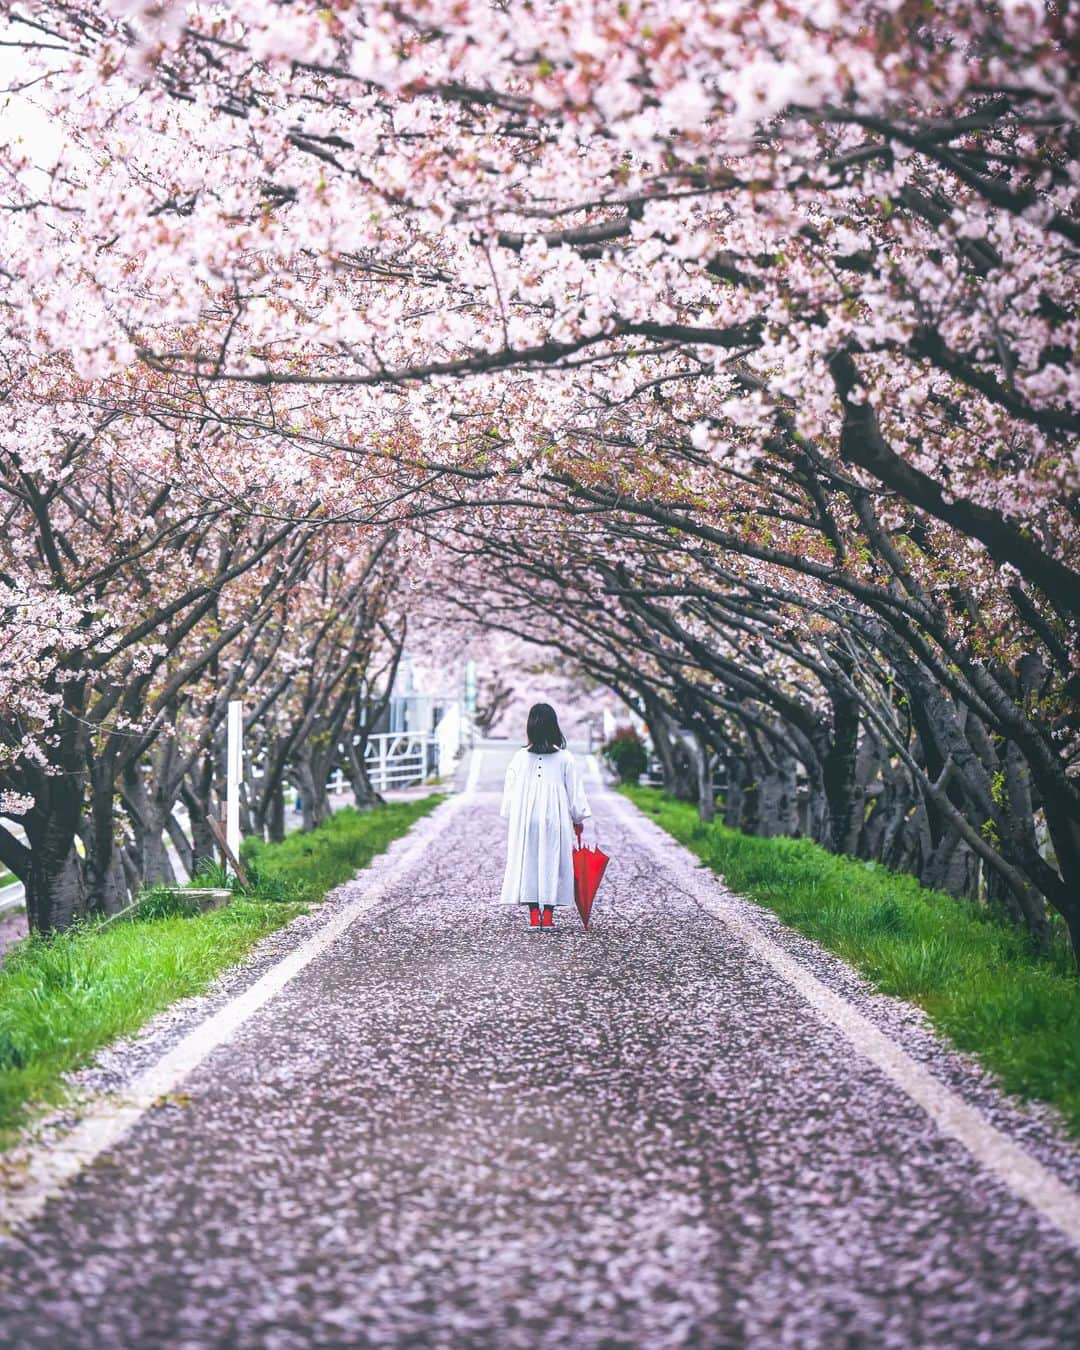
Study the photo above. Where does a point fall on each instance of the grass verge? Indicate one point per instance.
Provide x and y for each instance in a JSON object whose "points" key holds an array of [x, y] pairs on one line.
{"points": [[979, 979], [63, 998], [306, 866]]}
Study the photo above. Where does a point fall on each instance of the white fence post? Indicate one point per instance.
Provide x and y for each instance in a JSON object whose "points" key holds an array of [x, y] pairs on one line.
{"points": [[234, 768]]}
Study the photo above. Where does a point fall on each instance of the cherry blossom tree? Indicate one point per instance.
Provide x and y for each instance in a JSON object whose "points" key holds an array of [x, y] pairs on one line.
{"points": [[774, 310], [320, 697], [781, 681]]}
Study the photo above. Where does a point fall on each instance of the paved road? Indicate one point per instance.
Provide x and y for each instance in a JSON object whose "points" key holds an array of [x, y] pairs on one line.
{"points": [[448, 1131]]}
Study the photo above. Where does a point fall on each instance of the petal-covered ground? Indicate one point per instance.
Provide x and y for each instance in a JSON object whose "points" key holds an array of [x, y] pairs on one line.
{"points": [[449, 1131]]}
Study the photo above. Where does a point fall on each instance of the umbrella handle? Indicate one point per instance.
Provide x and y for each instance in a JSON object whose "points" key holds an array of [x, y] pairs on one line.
{"points": [[579, 826]]}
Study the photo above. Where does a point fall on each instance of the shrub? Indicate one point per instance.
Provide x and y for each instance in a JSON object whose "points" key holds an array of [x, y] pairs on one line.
{"points": [[626, 754]]}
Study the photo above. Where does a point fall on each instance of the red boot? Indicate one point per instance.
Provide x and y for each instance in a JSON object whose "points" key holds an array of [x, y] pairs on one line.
{"points": [[548, 920], [534, 916]]}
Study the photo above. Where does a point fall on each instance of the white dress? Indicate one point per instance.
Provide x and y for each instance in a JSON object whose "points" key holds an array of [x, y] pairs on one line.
{"points": [[544, 799]]}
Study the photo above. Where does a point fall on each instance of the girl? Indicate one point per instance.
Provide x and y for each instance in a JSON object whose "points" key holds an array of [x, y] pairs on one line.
{"points": [[543, 798]]}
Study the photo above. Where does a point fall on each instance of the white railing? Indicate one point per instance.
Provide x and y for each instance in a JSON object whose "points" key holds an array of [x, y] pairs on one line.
{"points": [[397, 759]]}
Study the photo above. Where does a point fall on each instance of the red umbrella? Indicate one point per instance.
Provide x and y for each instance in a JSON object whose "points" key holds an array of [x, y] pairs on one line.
{"points": [[589, 864]]}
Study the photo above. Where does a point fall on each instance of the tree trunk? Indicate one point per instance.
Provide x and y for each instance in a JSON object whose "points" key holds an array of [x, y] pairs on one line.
{"points": [[55, 889], [314, 803], [54, 881], [137, 809], [963, 740], [146, 810], [733, 797], [106, 885], [246, 827], [204, 846], [894, 805], [778, 806], [703, 766], [275, 822], [750, 804], [815, 813], [950, 867], [267, 794], [364, 794], [1072, 923], [157, 865], [839, 771], [677, 765]]}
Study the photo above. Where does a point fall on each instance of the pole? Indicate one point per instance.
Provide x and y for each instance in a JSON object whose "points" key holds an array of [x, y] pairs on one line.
{"points": [[234, 767], [470, 686]]}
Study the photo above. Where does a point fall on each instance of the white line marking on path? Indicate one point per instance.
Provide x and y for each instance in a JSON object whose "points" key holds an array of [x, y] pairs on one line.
{"points": [[51, 1168], [1016, 1169]]}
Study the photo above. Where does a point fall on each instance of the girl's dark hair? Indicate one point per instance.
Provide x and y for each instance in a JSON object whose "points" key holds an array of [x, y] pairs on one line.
{"points": [[543, 730]]}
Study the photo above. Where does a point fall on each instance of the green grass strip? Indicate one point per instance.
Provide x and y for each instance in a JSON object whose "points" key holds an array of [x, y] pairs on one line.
{"points": [[979, 979], [309, 865], [63, 998]]}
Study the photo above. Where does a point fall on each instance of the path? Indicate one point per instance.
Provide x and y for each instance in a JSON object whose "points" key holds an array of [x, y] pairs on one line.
{"points": [[447, 1131]]}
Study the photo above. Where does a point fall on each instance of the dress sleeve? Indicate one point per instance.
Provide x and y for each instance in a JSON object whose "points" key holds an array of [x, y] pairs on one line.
{"points": [[575, 792], [509, 786]]}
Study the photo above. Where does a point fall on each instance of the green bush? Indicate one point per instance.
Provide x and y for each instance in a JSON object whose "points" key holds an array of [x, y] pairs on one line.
{"points": [[980, 980], [626, 754]]}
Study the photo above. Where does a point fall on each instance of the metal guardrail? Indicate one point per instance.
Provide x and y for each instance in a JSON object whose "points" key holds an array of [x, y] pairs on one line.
{"points": [[12, 894], [12, 899], [397, 759]]}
